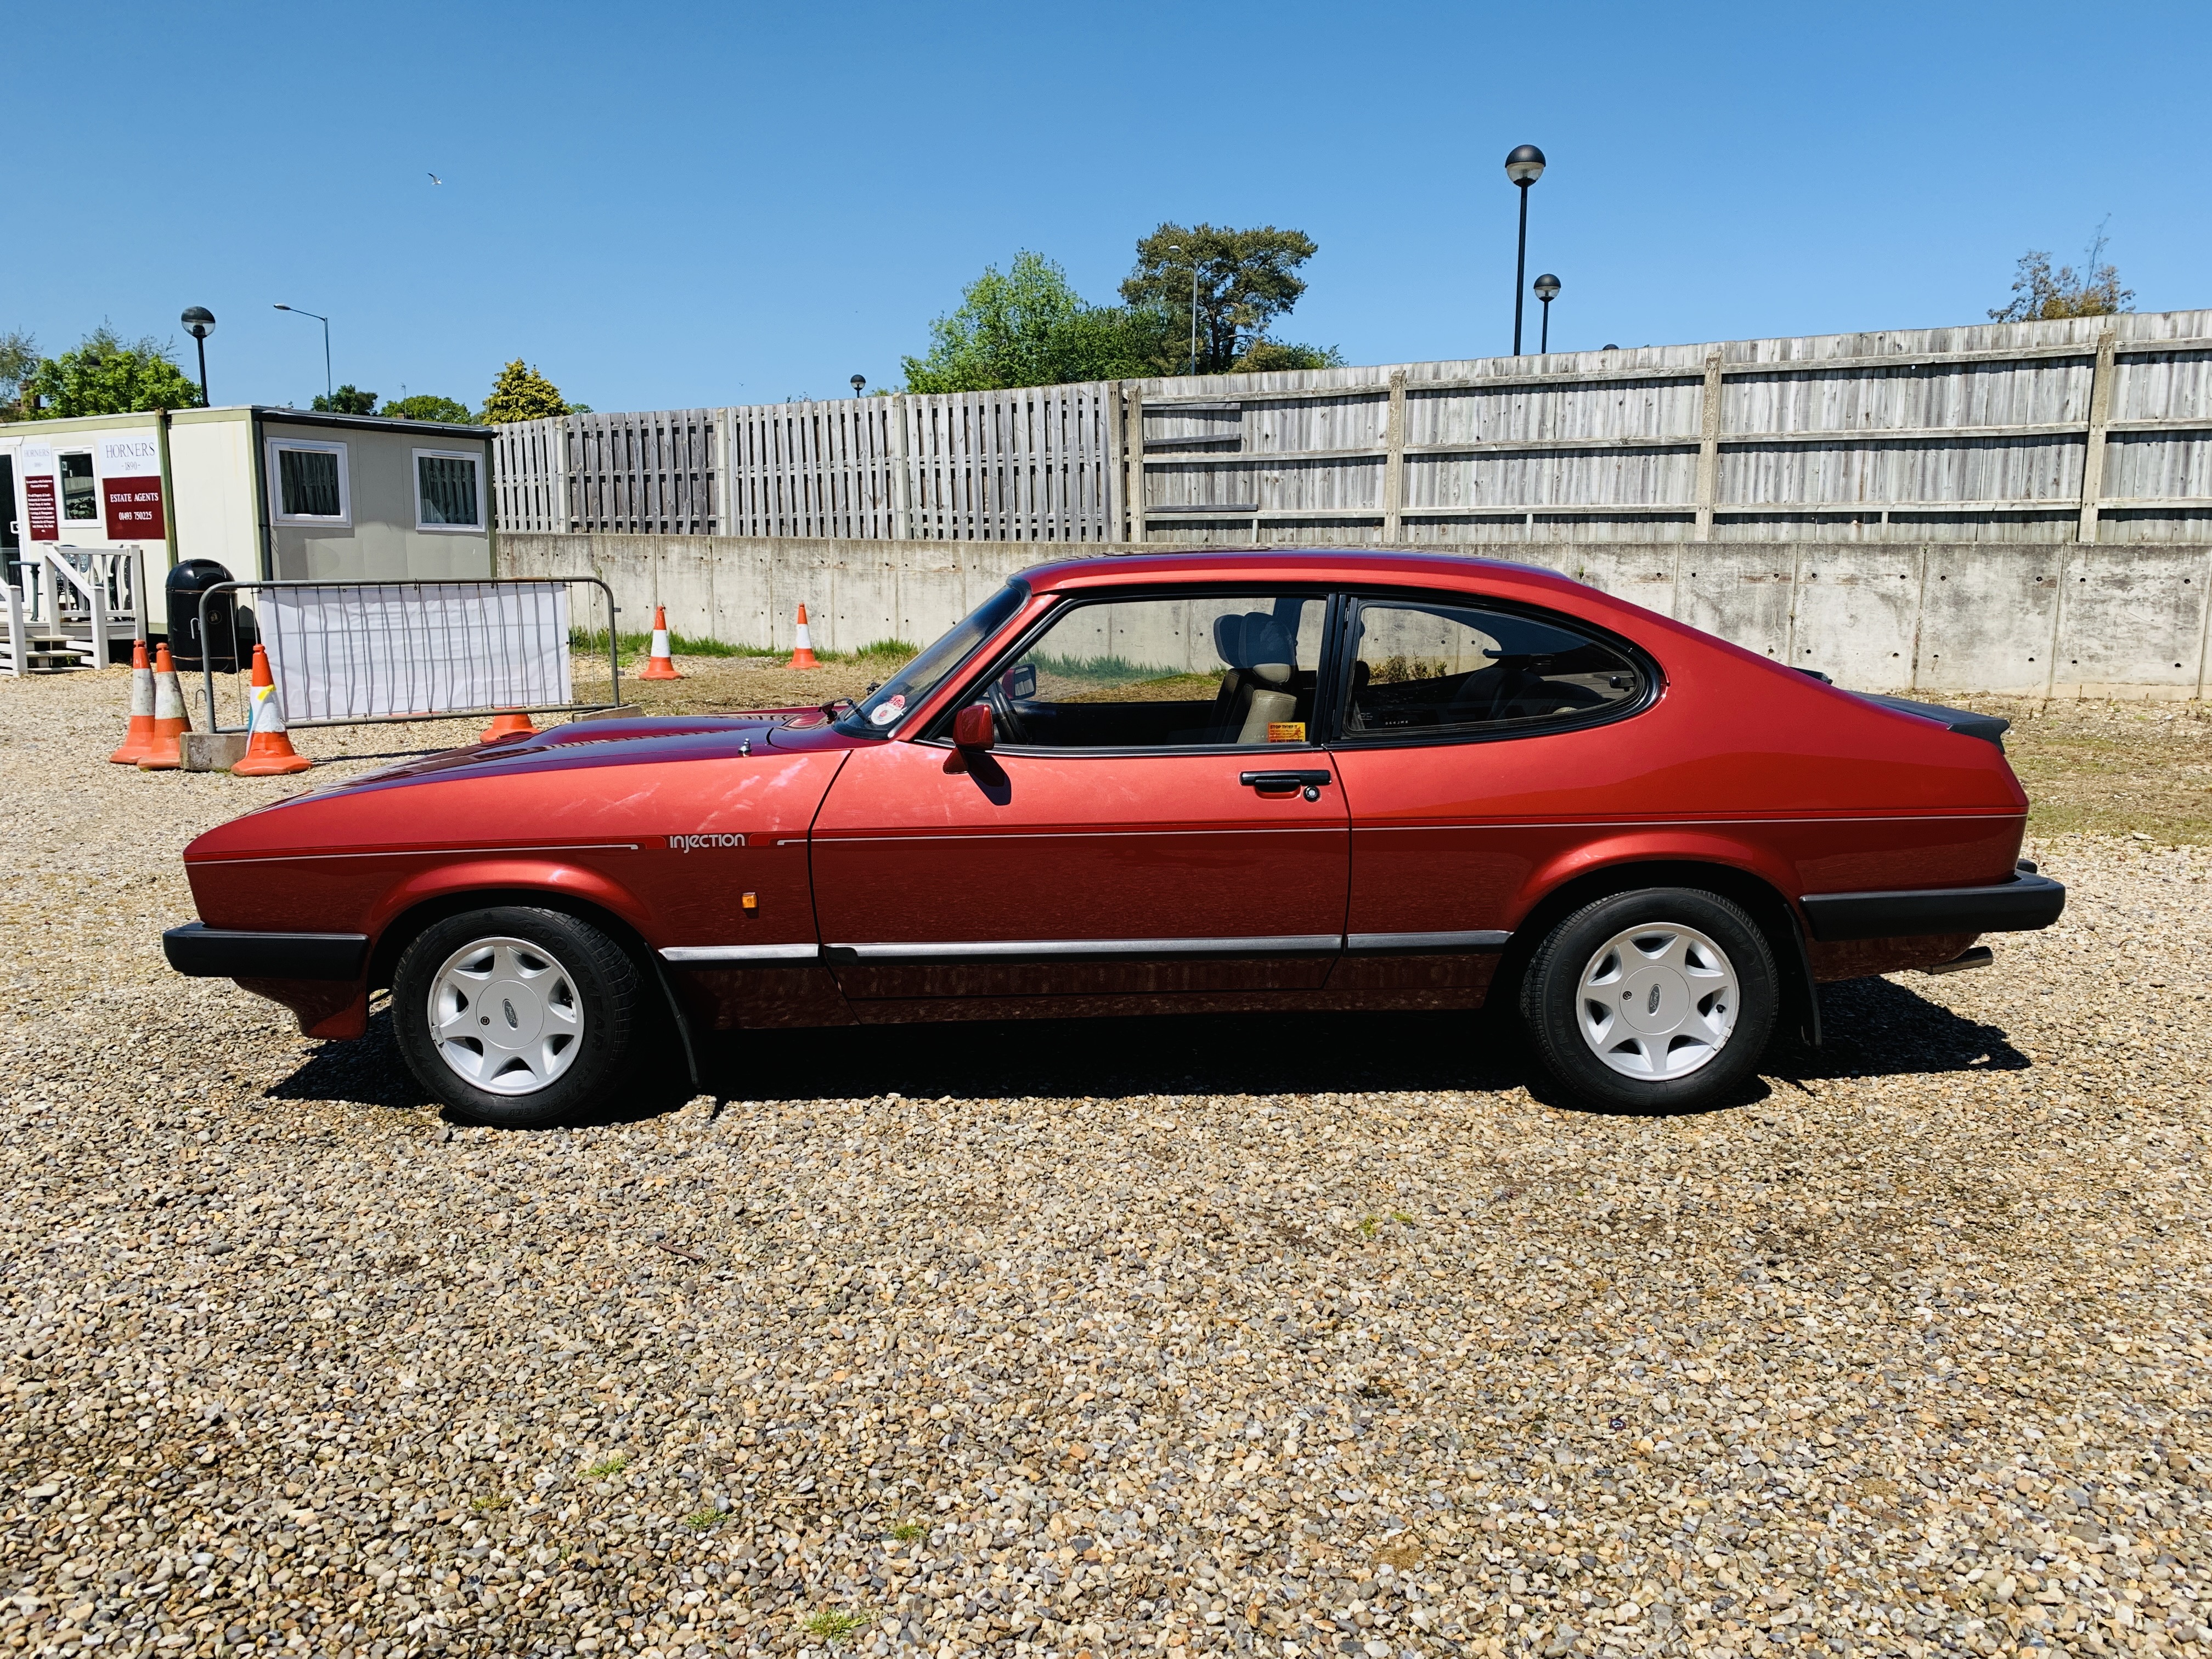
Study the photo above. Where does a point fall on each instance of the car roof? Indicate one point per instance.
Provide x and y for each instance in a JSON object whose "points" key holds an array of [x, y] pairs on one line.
{"points": [[1333, 565]]}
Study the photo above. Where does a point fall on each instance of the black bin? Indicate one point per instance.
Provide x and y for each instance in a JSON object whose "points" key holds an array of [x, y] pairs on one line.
{"points": [[227, 641]]}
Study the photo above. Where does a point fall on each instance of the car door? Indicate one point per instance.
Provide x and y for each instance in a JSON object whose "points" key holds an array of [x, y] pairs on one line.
{"points": [[1476, 739], [1153, 819]]}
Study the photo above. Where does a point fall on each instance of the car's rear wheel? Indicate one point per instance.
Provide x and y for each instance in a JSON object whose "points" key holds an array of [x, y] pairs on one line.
{"points": [[514, 1016], [1661, 1000]]}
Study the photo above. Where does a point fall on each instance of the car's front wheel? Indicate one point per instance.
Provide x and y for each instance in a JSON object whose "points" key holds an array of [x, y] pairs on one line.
{"points": [[1660, 1000], [514, 1016]]}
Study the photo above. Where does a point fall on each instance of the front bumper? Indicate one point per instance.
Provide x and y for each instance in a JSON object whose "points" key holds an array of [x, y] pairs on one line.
{"points": [[207, 953], [2021, 904]]}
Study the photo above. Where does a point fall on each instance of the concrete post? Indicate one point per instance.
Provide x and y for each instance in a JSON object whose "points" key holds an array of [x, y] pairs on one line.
{"points": [[1116, 460], [1709, 449], [1394, 462], [1133, 449], [2093, 459]]}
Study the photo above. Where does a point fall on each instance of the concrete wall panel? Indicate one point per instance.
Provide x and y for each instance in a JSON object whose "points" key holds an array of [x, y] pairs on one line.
{"points": [[2135, 621], [1942, 617], [1985, 618]]}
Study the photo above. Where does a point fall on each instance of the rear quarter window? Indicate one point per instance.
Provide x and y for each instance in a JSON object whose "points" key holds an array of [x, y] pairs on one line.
{"points": [[1427, 669]]}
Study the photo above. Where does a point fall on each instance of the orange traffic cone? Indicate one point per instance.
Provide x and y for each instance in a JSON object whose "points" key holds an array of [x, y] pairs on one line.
{"points": [[660, 666], [514, 724], [138, 736], [165, 749], [269, 751], [802, 654]]}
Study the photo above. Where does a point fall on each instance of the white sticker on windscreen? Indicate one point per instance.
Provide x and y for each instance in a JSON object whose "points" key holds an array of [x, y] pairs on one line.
{"points": [[889, 709]]}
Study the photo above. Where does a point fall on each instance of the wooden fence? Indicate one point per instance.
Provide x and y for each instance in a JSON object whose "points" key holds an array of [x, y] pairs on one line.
{"points": [[2089, 428]]}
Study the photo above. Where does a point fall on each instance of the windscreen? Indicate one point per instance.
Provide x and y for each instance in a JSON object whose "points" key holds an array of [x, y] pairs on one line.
{"points": [[910, 687]]}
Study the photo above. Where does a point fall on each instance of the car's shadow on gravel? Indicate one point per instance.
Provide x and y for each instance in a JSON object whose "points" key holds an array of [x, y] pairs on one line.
{"points": [[1187, 1054], [1873, 1027]]}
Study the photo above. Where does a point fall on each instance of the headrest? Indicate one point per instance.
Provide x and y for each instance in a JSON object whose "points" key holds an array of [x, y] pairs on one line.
{"points": [[1266, 641], [1228, 640]]}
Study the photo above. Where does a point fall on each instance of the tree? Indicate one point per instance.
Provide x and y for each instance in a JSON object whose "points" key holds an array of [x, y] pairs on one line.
{"points": [[346, 400], [1261, 355], [1246, 279], [2040, 295], [105, 376], [1028, 326], [522, 394], [429, 406], [19, 360]]}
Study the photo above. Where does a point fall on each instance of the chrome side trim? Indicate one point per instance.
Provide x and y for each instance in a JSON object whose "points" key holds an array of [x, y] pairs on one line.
{"points": [[958, 950], [1426, 945], [739, 955]]}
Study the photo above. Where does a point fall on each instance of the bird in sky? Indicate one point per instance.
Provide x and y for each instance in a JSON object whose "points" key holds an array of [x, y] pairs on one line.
{"points": [[435, 179]]}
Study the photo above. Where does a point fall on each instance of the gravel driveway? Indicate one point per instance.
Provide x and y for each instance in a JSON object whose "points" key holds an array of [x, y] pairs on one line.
{"points": [[1289, 1337]]}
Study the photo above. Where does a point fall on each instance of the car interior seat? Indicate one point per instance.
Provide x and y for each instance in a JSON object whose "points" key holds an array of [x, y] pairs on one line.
{"points": [[1256, 690]]}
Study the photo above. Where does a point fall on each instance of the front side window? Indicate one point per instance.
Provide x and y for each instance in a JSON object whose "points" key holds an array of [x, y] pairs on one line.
{"points": [[1420, 670], [311, 484], [446, 493], [1217, 670], [79, 494]]}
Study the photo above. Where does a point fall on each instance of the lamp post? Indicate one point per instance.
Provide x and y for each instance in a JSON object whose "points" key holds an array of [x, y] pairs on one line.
{"points": [[1547, 289], [1524, 167], [199, 323], [1177, 247], [859, 381], [330, 395]]}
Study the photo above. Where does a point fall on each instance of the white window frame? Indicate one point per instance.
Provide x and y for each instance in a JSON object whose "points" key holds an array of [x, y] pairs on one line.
{"points": [[414, 481], [310, 520]]}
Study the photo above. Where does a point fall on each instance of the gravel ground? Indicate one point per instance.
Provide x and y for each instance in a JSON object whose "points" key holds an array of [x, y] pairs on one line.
{"points": [[1288, 1337]]}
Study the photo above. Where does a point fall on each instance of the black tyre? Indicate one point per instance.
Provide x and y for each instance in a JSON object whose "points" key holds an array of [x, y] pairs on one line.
{"points": [[1657, 1000], [516, 1017]]}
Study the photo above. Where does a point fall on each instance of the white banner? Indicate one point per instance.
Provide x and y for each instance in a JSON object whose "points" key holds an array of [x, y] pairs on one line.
{"points": [[351, 651]]}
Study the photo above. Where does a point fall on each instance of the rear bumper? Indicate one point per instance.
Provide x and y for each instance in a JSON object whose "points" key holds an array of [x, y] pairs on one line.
{"points": [[207, 953], [2019, 905]]}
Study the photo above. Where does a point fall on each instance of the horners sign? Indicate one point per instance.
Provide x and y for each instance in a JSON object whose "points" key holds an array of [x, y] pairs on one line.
{"points": [[130, 485]]}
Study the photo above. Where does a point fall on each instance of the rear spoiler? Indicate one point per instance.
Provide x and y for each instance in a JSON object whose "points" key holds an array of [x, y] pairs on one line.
{"points": [[1989, 728]]}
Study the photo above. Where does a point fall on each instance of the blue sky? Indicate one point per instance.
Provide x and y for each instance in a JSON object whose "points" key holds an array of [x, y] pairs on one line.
{"points": [[674, 205]]}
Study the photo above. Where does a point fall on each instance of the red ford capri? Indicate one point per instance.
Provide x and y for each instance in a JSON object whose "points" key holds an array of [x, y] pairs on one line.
{"points": [[1198, 781]]}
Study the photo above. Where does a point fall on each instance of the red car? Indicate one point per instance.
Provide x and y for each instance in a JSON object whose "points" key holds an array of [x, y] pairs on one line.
{"points": [[1197, 780]]}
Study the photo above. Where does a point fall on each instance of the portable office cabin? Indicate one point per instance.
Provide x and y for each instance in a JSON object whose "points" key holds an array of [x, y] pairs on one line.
{"points": [[280, 494]]}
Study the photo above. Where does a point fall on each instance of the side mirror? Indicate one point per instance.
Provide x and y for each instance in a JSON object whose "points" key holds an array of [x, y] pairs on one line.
{"points": [[971, 726], [1020, 681]]}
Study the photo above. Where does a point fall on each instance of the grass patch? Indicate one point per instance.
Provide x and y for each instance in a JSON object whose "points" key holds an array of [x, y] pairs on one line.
{"points": [[834, 1623], [491, 1505], [635, 647], [1370, 1225], [2110, 768], [607, 1465], [1401, 1217], [908, 1532], [700, 1520]]}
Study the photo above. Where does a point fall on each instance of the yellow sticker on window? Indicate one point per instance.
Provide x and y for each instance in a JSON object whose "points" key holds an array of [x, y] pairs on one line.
{"points": [[1286, 731]]}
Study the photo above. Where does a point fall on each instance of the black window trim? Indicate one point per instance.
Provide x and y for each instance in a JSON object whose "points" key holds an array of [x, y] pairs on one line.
{"points": [[1654, 678], [1327, 678]]}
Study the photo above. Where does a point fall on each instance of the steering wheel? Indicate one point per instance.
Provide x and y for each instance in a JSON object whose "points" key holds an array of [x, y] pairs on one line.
{"points": [[1002, 710]]}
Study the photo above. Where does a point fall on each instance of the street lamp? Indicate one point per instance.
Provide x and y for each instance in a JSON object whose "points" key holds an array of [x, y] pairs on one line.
{"points": [[859, 380], [1177, 247], [1547, 289], [330, 396], [199, 323], [1524, 167]]}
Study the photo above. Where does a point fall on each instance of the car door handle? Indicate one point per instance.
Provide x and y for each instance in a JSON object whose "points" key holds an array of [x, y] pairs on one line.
{"points": [[1284, 780]]}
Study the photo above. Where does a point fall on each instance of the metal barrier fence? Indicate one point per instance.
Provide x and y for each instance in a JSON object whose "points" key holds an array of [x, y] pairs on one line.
{"points": [[351, 654]]}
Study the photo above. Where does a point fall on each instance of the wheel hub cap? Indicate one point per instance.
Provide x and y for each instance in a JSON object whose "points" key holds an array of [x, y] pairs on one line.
{"points": [[1657, 1001], [504, 1016]]}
